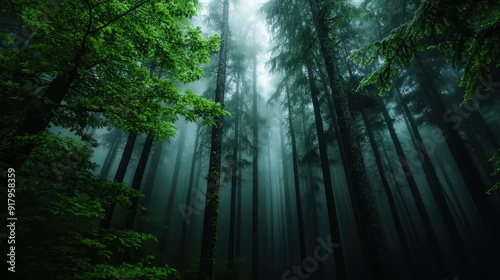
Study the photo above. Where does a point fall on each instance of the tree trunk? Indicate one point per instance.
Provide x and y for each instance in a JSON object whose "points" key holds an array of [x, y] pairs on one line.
{"points": [[363, 204], [327, 180], [153, 170], [286, 186], [136, 182], [175, 177], [37, 120], [196, 153], [173, 190], [283, 232], [271, 205], [238, 215], [110, 157], [209, 236], [298, 203], [436, 189], [234, 176], [413, 271], [255, 178], [120, 174], [475, 184], [408, 176]]}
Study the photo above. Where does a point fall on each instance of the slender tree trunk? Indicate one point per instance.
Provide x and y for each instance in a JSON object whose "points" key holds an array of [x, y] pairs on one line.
{"points": [[283, 233], [271, 205], [298, 203], [288, 204], [196, 153], [234, 177], [110, 157], [153, 170], [452, 190], [413, 271], [364, 208], [436, 188], [209, 236], [136, 182], [397, 189], [429, 229], [120, 174], [255, 178], [173, 190], [238, 211], [327, 180], [475, 184], [175, 177]]}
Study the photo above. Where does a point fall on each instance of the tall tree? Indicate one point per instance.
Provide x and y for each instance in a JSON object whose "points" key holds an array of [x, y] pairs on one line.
{"points": [[364, 209], [98, 47], [255, 173], [153, 169], [234, 174], [194, 159], [298, 202], [115, 143], [327, 180], [467, 33], [137, 180], [413, 271], [119, 176], [173, 189], [209, 236], [287, 211]]}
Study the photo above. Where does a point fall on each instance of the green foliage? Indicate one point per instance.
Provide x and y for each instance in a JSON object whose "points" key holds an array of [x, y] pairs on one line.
{"points": [[67, 61], [496, 160], [140, 271], [467, 32], [128, 56], [60, 204]]}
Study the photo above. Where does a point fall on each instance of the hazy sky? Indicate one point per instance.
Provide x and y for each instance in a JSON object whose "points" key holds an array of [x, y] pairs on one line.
{"points": [[242, 13]]}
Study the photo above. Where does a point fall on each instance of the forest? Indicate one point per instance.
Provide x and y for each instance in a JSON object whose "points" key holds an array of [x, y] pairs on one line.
{"points": [[238, 140]]}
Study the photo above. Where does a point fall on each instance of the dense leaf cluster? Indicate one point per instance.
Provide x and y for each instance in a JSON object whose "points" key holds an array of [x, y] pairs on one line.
{"points": [[90, 64], [467, 32], [127, 54], [61, 202]]}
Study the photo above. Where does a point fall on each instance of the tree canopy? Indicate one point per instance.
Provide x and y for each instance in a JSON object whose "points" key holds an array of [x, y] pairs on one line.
{"points": [[467, 32], [127, 55]]}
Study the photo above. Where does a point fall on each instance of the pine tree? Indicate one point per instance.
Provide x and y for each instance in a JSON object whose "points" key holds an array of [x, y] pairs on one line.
{"points": [[209, 236]]}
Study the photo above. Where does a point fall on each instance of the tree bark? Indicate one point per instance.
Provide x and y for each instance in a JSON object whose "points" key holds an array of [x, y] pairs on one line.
{"points": [[327, 180], [413, 271], [110, 157], [37, 120], [120, 174], [153, 170], [363, 204], [209, 236], [475, 184], [286, 186], [238, 209], [423, 212], [136, 182], [298, 203], [234, 176], [255, 177], [173, 190], [196, 153], [436, 189]]}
